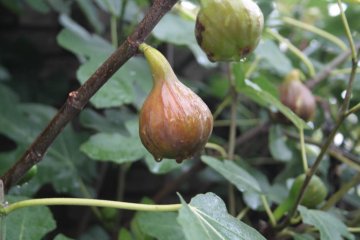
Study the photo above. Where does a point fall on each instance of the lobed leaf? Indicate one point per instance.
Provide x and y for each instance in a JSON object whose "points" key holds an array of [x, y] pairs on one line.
{"points": [[233, 173], [329, 226], [206, 217]]}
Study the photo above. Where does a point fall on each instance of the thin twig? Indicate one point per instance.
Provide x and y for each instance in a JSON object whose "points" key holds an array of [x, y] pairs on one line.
{"points": [[334, 39], [303, 150], [294, 50], [253, 132], [79, 98], [334, 151], [232, 135], [326, 71], [342, 191]]}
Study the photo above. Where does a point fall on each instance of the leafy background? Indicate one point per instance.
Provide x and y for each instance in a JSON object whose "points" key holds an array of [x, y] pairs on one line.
{"points": [[49, 47]]}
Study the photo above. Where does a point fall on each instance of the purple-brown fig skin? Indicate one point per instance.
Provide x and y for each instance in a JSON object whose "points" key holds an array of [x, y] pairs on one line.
{"points": [[295, 95], [174, 122]]}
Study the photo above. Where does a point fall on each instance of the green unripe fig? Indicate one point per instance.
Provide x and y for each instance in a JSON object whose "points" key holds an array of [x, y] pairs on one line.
{"points": [[228, 30], [296, 96], [174, 121], [315, 192]]}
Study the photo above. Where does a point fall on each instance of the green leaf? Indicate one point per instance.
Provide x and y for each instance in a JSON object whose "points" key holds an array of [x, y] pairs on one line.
{"points": [[124, 234], [277, 144], [233, 173], [206, 217], [13, 123], [91, 13], [160, 225], [252, 200], [14, 6], [119, 88], [79, 41], [329, 226], [174, 29], [256, 93], [63, 163], [277, 60], [111, 6], [95, 233], [113, 147], [115, 92], [39, 5], [28, 223], [109, 121], [61, 237], [22, 123]]}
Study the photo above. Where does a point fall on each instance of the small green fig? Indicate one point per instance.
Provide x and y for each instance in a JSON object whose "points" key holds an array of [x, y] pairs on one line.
{"points": [[314, 194], [228, 30], [174, 121], [295, 95]]}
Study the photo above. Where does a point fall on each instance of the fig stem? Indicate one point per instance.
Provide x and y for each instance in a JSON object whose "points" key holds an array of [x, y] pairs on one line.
{"points": [[294, 50], [332, 38], [159, 65], [347, 31], [354, 57], [224, 103], [303, 151], [282, 209], [218, 148], [242, 214], [114, 33], [88, 202], [232, 132], [268, 211], [341, 192]]}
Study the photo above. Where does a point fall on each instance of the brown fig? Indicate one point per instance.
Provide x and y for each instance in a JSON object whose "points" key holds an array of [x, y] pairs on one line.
{"points": [[295, 95], [174, 122]]}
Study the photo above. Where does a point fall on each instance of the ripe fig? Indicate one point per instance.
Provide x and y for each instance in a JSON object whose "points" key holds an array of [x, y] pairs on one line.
{"points": [[295, 95], [174, 121], [314, 194], [228, 30]]}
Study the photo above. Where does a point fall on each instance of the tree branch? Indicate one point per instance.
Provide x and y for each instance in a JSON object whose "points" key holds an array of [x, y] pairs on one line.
{"points": [[79, 98]]}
